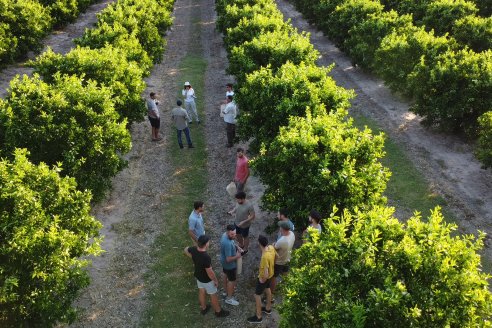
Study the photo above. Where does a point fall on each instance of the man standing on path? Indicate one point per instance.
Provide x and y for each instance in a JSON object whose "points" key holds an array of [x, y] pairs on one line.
{"points": [[230, 120], [228, 258], [245, 214], [190, 104], [181, 118], [154, 116], [205, 276], [264, 278], [283, 215], [283, 246], [242, 170], [196, 227]]}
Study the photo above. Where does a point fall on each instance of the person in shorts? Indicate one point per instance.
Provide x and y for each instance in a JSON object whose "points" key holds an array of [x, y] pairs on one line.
{"points": [[205, 277], [154, 116], [283, 247], [228, 258], [245, 214], [264, 278]]}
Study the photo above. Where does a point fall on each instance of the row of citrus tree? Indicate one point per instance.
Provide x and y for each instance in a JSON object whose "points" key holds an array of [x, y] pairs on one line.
{"points": [[23, 23], [63, 133], [366, 269], [449, 82]]}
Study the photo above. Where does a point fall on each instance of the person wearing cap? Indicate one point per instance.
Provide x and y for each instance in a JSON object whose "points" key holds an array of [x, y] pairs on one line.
{"points": [[264, 279], [205, 276], [190, 105], [314, 220], [154, 116], [229, 254], [181, 118], [282, 215], [283, 246], [229, 112]]}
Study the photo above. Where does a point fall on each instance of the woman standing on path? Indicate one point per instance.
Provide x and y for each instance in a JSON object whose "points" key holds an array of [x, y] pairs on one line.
{"points": [[189, 95]]}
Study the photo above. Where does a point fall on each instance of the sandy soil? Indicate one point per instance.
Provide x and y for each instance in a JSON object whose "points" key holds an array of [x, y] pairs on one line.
{"points": [[131, 213]]}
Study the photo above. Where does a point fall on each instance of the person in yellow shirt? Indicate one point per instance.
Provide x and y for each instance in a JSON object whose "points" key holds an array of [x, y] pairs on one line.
{"points": [[264, 278]]}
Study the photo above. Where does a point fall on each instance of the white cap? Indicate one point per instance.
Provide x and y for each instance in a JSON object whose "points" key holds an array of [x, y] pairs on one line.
{"points": [[187, 84]]}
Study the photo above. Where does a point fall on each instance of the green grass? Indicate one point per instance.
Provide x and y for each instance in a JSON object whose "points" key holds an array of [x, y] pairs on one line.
{"points": [[407, 187]]}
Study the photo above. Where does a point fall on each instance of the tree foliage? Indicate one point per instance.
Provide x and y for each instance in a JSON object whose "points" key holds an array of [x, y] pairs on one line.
{"points": [[69, 123], [369, 270], [322, 161], [45, 231]]}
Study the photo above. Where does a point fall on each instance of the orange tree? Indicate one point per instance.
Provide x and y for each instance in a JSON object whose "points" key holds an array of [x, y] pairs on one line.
{"points": [[45, 233], [369, 270]]}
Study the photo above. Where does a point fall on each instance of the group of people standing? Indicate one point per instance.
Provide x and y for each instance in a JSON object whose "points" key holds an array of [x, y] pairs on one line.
{"points": [[234, 244], [183, 117]]}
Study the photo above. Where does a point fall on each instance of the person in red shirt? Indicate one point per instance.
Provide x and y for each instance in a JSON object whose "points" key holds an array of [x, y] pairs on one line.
{"points": [[242, 170]]}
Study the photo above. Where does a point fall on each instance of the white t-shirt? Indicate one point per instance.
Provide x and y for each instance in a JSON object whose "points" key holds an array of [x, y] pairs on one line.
{"points": [[284, 248], [230, 113], [189, 94]]}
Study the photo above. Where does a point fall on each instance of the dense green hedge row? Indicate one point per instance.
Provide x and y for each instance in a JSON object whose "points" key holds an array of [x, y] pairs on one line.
{"points": [[281, 92], [72, 115], [450, 85], [23, 23], [366, 269]]}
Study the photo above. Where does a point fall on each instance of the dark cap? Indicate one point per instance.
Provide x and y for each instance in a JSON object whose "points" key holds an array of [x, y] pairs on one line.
{"points": [[284, 225]]}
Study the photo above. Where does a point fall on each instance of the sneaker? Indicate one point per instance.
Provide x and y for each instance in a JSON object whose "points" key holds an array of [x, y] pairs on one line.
{"points": [[244, 252], [191, 146], [224, 294], [205, 310], [198, 122], [190, 122], [255, 319], [222, 313], [264, 310], [232, 301], [181, 146]]}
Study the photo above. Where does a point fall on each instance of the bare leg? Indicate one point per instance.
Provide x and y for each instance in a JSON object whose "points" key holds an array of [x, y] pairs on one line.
{"points": [[273, 284], [240, 241], [268, 304], [230, 288], [226, 286], [201, 298], [246, 243], [214, 299], [258, 306]]}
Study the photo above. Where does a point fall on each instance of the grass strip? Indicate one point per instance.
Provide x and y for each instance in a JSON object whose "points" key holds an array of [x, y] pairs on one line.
{"points": [[407, 188]]}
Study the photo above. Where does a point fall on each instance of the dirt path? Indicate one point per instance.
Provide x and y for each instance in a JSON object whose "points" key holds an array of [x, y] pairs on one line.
{"points": [[61, 41], [447, 162]]}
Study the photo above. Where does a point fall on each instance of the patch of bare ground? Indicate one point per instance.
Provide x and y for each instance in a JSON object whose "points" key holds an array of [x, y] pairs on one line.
{"points": [[61, 41], [446, 161]]}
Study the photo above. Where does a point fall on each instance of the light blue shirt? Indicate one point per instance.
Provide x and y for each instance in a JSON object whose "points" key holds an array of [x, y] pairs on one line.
{"points": [[195, 224], [227, 248]]}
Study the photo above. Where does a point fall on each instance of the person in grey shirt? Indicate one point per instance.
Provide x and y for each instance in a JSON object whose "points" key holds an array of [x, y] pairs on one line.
{"points": [[180, 118], [154, 116]]}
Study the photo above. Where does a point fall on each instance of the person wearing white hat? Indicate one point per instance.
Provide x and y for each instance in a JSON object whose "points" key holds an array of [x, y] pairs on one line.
{"points": [[189, 96]]}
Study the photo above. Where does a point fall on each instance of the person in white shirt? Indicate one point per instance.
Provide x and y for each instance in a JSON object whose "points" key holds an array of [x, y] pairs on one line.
{"points": [[154, 116], [230, 120], [190, 105]]}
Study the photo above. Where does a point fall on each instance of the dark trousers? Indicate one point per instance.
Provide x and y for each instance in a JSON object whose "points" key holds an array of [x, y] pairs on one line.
{"points": [[231, 133], [187, 135]]}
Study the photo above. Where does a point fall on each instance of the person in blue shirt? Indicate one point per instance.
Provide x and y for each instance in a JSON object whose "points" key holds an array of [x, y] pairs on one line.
{"points": [[229, 254], [196, 227]]}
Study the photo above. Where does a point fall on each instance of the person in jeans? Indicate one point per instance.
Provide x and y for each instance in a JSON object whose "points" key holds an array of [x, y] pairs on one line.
{"points": [[154, 116], [190, 104], [180, 119], [229, 254], [230, 120], [205, 276], [264, 278]]}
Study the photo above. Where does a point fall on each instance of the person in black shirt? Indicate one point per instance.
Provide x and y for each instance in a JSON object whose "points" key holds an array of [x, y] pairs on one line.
{"points": [[205, 277]]}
